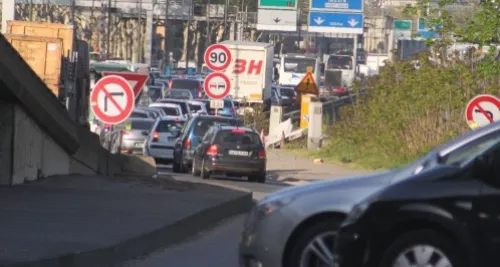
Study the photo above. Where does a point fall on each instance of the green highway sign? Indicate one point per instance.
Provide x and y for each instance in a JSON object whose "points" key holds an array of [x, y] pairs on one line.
{"points": [[278, 4], [402, 25]]}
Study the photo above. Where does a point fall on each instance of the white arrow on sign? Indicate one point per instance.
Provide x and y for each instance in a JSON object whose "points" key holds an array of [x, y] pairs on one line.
{"points": [[319, 20], [353, 22]]}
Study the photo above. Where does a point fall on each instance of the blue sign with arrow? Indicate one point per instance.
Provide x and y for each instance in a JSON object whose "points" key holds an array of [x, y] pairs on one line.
{"points": [[337, 5], [334, 22]]}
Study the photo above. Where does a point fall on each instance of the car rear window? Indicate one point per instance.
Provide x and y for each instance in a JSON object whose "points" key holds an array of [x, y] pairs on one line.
{"points": [[237, 137], [170, 111], [169, 126], [179, 94], [228, 104], [195, 107], [287, 92], [202, 126], [139, 115], [183, 105], [185, 84]]}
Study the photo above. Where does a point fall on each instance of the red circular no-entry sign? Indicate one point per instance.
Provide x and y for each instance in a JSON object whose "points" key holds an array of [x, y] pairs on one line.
{"points": [[217, 57], [482, 110], [217, 85], [112, 99]]}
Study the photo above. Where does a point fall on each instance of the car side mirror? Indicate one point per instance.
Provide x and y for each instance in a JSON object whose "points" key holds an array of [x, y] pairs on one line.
{"points": [[145, 133]]}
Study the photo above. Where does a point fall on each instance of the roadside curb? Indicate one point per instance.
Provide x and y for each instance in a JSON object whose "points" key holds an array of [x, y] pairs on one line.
{"points": [[148, 242]]}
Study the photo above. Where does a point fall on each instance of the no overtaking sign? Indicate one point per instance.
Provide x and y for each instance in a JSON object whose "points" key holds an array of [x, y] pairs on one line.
{"points": [[112, 99]]}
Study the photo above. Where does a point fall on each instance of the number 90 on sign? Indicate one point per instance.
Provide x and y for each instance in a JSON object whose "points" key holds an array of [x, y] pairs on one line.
{"points": [[217, 57]]}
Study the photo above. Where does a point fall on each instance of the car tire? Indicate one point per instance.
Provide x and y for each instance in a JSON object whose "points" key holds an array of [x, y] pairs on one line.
{"points": [[425, 237], [259, 178], [304, 239], [203, 172], [194, 171]]}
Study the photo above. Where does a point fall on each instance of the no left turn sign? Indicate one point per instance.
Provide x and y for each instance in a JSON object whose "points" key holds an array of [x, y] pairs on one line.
{"points": [[482, 110], [217, 57], [112, 99]]}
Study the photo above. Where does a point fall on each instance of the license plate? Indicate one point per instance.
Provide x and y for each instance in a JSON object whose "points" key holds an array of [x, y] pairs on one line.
{"points": [[238, 153]]}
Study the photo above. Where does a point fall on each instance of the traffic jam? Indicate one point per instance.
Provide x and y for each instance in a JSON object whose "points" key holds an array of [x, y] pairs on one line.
{"points": [[436, 211]]}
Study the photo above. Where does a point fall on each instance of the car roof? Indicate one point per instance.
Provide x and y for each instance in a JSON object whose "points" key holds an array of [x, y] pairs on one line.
{"points": [[213, 117], [227, 127], [166, 100], [140, 110], [170, 118], [196, 102], [159, 105], [140, 119]]}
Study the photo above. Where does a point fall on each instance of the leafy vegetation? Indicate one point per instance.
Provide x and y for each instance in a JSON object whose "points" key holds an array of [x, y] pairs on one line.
{"points": [[408, 111]]}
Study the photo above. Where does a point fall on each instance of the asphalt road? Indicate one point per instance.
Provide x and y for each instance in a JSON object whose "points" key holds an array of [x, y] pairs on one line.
{"points": [[214, 247]]}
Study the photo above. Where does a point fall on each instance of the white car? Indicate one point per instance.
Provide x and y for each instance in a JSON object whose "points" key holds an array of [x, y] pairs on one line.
{"points": [[197, 107], [161, 140], [170, 109]]}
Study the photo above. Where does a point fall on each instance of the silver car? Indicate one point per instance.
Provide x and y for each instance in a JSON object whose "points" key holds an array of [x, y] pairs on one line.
{"points": [[296, 226], [132, 135]]}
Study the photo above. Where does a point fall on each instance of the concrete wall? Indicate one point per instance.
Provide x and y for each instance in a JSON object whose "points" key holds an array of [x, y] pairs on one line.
{"points": [[35, 153], [6, 136]]}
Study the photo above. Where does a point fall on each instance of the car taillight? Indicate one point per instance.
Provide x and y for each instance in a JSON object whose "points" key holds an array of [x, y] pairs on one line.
{"points": [[156, 135], [239, 131], [187, 143], [262, 154], [125, 132], [213, 150], [231, 110]]}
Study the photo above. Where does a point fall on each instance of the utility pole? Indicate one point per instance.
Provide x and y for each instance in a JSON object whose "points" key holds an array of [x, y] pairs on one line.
{"points": [[140, 43], [208, 25], [224, 36], [166, 55], [108, 45], [189, 36]]}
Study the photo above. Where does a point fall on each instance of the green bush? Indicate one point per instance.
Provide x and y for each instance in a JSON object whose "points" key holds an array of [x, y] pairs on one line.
{"points": [[406, 112]]}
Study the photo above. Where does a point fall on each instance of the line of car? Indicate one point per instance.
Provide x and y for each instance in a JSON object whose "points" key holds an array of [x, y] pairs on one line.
{"points": [[440, 210]]}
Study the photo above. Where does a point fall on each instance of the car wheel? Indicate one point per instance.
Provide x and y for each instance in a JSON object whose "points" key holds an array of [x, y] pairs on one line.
{"points": [[175, 166], [194, 171], [314, 246], [260, 178], [203, 172], [423, 248]]}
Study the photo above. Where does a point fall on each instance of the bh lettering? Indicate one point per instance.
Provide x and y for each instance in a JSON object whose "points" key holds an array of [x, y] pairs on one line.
{"points": [[250, 67]]}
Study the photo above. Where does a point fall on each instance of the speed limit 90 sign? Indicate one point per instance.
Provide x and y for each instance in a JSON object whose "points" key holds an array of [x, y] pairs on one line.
{"points": [[217, 57]]}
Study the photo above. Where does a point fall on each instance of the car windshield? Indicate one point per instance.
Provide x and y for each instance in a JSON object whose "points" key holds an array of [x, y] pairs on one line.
{"points": [[287, 92], [339, 62], [185, 84], [135, 125], [470, 151], [298, 64], [237, 137], [202, 126], [171, 111], [179, 94], [136, 114], [170, 126], [195, 108]]}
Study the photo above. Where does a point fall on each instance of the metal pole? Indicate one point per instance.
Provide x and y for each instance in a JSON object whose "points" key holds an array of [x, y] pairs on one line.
{"points": [[73, 7], [166, 56], [140, 43], [225, 21], [355, 53], [108, 45], [208, 24], [189, 36]]}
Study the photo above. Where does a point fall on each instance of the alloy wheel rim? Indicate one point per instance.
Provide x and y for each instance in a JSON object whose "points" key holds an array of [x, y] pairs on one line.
{"points": [[422, 256], [319, 251]]}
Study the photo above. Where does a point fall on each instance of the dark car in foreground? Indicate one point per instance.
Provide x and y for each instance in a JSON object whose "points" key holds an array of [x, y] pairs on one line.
{"points": [[191, 136], [231, 150], [445, 214], [445, 202]]}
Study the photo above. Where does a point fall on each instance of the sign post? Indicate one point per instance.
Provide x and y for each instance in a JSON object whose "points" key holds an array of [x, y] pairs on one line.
{"points": [[112, 102], [482, 110]]}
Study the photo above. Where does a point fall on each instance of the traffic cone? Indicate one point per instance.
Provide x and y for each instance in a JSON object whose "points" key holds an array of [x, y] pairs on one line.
{"points": [[262, 135]]}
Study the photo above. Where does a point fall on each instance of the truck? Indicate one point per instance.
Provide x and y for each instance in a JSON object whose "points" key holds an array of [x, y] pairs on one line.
{"points": [[250, 72], [63, 62]]}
